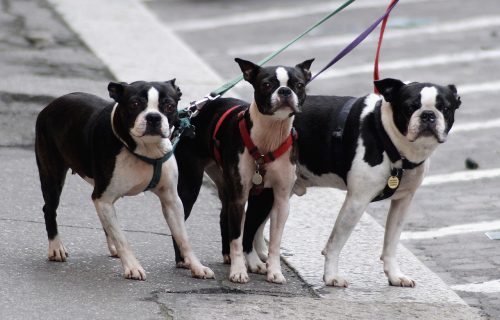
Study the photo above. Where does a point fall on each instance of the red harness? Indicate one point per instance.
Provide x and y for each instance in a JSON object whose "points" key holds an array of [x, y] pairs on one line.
{"points": [[259, 157]]}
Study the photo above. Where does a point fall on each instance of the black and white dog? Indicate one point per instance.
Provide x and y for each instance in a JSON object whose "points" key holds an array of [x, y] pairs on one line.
{"points": [[252, 144], [374, 148], [122, 149]]}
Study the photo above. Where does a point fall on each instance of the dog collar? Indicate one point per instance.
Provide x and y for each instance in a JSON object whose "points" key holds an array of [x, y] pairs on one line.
{"points": [[156, 163], [396, 176], [259, 157]]}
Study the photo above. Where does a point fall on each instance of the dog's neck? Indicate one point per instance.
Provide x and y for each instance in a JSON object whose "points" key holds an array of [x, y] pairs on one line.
{"points": [[268, 133], [155, 148], [417, 151]]}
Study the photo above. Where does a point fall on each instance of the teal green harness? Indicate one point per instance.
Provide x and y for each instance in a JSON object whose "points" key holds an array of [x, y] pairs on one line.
{"points": [[157, 164]]}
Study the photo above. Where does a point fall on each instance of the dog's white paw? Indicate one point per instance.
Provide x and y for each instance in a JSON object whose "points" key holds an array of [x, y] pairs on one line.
{"points": [[202, 272], [402, 281], [276, 277], [239, 277], [335, 281], [238, 273], [182, 265], [255, 265], [134, 272], [261, 249], [57, 250], [259, 268]]}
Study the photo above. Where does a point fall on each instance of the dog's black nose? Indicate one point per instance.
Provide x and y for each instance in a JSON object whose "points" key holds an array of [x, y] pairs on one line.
{"points": [[284, 91], [153, 119], [428, 116]]}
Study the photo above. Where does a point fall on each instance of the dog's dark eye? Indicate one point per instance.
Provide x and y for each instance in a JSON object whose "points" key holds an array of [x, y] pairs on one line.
{"points": [[300, 85], [136, 104], [170, 107], [266, 85]]}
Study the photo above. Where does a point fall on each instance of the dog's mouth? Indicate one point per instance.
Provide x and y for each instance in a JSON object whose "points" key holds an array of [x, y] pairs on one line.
{"points": [[152, 132], [429, 131], [287, 104]]}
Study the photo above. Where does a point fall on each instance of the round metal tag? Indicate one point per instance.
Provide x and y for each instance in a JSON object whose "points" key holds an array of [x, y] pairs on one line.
{"points": [[257, 178], [393, 182]]}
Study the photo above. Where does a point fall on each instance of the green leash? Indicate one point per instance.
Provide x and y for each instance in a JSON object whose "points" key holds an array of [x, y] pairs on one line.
{"points": [[227, 86]]}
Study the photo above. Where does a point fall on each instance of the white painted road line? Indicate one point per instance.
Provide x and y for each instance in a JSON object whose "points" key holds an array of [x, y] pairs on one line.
{"points": [[461, 176], [473, 126], [270, 14], [451, 230], [479, 87], [484, 287], [435, 60], [340, 40]]}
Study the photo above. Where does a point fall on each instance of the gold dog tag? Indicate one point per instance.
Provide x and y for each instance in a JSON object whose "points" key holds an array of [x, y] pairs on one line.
{"points": [[393, 182], [257, 178]]}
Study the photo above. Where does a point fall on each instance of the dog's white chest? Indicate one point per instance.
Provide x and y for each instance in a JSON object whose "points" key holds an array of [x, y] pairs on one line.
{"points": [[130, 176]]}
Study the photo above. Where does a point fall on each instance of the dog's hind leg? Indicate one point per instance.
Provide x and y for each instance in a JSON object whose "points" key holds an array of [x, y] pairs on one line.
{"points": [[236, 214], [348, 217], [189, 184], [52, 171], [393, 228]]}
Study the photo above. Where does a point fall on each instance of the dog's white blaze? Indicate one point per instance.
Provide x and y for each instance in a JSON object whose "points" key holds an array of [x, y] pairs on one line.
{"points": [[282, 76], [428, 97], [153, 99]]}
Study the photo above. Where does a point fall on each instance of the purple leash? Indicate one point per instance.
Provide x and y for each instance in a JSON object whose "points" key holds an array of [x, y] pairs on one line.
{"points": [[356, 41]]}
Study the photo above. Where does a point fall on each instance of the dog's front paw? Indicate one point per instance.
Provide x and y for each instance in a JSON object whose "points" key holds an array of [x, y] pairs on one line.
{"points": [[202, 272], [57, 250], [402, 281], [276, 277], [238, 273], [335, 281], [134, 272], [182, 265], [239, 277]]}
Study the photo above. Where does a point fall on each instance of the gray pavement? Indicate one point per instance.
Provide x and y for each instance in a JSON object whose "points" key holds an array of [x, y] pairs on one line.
{"points": [[42, 58]]}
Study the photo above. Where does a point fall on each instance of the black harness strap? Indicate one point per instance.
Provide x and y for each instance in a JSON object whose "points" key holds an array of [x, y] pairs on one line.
{"points": [[338, 132], [394, 156]]}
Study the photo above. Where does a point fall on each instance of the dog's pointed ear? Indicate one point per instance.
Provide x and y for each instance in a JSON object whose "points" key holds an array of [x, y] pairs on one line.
{"points": [[116, 89], [176, 88], [388, 87], [248, 68], [455, 94], [305, 67]]}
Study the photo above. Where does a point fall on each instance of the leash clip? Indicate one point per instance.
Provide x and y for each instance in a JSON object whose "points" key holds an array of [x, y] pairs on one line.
{"points": [[197, 105]]}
